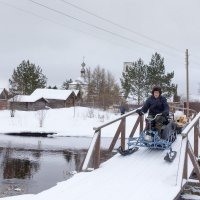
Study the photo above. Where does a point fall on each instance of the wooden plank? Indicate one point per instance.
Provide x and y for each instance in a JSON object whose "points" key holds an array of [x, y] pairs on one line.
{"points": [[90, 151], [123, 133], [190, 126], [141, 123], [115, 120], [196, 139], [185, 165], [116, 136], [194, 161], [97, 151]]}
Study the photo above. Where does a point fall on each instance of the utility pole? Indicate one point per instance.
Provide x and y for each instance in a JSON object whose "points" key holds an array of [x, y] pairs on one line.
{"points": [[187, 82]]}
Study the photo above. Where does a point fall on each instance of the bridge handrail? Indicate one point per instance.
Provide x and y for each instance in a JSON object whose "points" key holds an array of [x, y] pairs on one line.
{"points": [[115, 120], [94, 148], [97, 136], [90, 151], [189, 150], [188, 128]]}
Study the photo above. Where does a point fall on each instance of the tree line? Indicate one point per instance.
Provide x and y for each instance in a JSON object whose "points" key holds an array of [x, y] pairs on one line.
{"points": [[137, 80]]}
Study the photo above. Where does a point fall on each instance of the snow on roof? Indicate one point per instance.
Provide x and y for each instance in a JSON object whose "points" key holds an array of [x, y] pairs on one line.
{"points": [[52, 93], [79, 80], [25, 98], [76, 92]]}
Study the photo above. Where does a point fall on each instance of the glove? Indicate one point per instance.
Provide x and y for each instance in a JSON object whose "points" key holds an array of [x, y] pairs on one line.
{"points": [[139, 112], [164, 114]]}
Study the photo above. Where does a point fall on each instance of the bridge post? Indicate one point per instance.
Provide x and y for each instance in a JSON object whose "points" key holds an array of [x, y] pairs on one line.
{"points": [[97, 151], [194, 161], [135, 127], [141, 123], [119, 130], [196, 139], [123, 133], [185, 167]]}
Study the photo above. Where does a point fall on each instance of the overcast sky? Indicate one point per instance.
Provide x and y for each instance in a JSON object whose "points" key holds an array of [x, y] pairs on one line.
{"points": [[57, 34]]}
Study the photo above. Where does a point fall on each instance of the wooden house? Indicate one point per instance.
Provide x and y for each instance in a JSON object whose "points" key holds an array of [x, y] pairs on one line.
{"points": [[27, 103], [56, 98]]}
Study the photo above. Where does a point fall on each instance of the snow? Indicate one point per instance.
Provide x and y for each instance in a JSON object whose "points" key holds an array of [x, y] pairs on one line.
{"points": [[142, 175], [51, 94], [189, 197], [25, 98], [74, 121]]}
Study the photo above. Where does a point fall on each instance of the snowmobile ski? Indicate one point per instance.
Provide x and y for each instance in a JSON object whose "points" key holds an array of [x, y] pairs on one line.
{"points": [[170, 156], [127, 151]]}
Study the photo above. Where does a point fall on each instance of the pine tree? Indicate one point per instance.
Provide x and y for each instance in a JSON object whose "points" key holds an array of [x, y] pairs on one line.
{"points": [[133, 80], [158, 77], [54, 87], [139, 79], [26, 78]]}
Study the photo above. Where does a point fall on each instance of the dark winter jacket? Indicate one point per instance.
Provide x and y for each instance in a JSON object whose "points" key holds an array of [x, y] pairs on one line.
{"points": [[156, 106]]}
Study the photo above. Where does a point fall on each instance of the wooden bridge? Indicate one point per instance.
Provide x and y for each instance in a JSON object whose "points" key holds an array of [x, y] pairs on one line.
{"points": [[146, 164]]}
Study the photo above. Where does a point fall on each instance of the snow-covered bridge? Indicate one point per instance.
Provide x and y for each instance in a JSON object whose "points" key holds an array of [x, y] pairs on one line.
{"points": [[139, 176], [145, 174]]}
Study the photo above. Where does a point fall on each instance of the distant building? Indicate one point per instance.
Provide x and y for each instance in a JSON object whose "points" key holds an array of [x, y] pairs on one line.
{"points": [[27, 103], [80, 82], [4, 95], [45, 98], [56, 98], [127, 64]]}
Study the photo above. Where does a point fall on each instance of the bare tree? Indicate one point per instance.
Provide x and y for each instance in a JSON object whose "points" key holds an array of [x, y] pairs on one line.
{"points": [[41, 116], [102, 87]]}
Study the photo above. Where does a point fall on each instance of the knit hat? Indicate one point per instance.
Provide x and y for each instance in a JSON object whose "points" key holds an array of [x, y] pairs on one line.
{"points": [[156, 88]]}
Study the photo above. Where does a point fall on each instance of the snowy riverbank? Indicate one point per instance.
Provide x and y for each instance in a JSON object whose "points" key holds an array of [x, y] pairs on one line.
{"points": [[78, 121]]}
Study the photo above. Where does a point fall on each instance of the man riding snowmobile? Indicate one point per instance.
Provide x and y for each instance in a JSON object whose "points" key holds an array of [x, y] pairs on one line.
{"points": [[156, 104]]}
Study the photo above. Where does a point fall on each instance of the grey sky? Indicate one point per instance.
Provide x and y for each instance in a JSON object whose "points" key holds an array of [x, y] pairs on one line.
{"points": [[58, 43]]}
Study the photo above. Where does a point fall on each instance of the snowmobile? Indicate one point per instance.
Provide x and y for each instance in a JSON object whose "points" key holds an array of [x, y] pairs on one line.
{"points": [[151, 138]]}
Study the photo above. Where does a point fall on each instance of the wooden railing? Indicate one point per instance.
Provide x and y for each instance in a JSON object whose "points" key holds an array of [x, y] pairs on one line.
{"points": [[94, 149], [94, 153], [190, 150]]}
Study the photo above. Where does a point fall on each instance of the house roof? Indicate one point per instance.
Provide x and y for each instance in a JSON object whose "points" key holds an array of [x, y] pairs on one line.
{"points": [[26, 98], [52, 94], [79, 80], [2, 89]]}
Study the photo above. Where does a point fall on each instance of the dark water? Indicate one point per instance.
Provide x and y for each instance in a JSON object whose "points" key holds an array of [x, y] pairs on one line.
{"points": [[34, 167]]}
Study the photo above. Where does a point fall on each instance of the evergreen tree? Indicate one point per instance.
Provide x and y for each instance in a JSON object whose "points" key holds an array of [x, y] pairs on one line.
{"points": [[158, 77], [139, 79], [26, 78], [54, 87], [133, 80]]}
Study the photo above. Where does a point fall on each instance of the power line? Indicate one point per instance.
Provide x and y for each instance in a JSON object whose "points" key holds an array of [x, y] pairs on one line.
{"points": [[49, 20], [54, 22], [125, 28], [91, 25], [121, 26], [57, 11]]}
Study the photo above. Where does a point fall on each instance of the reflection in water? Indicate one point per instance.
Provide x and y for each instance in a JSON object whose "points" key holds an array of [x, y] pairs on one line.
{"points": [[17, 168], [25, 171]]}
